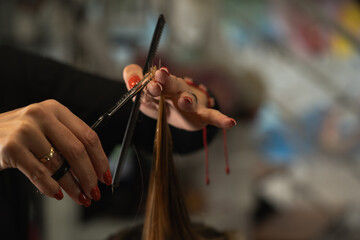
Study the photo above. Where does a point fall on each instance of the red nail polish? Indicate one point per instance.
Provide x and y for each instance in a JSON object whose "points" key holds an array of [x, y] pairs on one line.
{"points": [[59, 195], [95, 193], [165, 70], [133, 81], [233, 121], [188, 99], [84, 200], [107, 178]]}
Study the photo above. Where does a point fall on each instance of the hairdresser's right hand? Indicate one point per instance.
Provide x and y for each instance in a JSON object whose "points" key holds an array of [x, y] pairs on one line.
{"points": [[27, 135]]}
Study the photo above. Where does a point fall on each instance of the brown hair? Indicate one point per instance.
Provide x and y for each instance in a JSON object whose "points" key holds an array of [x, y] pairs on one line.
{"points": [[166, 215]]}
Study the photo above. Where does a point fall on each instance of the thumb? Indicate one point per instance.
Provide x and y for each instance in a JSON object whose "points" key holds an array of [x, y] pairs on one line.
{"points": [[132, 74]]}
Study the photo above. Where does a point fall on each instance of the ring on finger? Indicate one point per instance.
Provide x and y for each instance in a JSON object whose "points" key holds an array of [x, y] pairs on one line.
{"points": [[62, 170], [48, 156]]}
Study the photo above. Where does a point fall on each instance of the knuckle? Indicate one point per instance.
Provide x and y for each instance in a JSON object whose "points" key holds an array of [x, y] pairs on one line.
{"points": [[51, 103], [91, 138], [35, 110], [8, 152], [24, 130], [54, 105], [77, 150], [41, 110], [9, 148]]}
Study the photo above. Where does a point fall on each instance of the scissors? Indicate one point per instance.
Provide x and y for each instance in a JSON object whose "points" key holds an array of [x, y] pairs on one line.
{"points": [[123, 100], [135, 91]]}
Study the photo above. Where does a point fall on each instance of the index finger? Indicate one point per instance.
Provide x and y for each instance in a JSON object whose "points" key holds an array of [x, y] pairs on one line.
{"points": [[170, 85], [90, 141]]}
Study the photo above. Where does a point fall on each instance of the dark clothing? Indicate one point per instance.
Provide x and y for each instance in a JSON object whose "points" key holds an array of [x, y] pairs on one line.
{"points": [[25, 79]]}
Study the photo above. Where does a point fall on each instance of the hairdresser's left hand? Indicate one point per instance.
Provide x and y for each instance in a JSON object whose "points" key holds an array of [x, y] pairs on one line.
{"points": [[187, 104]]}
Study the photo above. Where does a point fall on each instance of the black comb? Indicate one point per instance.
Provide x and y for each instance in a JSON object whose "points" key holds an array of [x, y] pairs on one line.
{"points": [[130, 128]]}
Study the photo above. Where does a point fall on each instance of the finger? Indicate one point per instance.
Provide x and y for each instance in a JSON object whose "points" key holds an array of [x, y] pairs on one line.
{"points": [[75, 153], [154, 88], [67, 182], [43, 151], [148, 105], [40, 146], [171, 84], [132, 74], [35, 171], [32, 144], [89, 138], [173, 87], [72, 188], [216, 118], [187, 102]]}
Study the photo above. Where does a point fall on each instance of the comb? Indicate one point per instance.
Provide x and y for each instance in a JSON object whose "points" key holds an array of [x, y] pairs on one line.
{"points": [[130, 128]]}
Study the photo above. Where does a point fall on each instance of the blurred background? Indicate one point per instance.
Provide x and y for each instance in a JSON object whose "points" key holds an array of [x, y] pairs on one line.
{"points": [[288, 71]]}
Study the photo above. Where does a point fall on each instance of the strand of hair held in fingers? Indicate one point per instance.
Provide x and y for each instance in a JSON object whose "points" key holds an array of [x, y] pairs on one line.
{"points": [[166, 215]]}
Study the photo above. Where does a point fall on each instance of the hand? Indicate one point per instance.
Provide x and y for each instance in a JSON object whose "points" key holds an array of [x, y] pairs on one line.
{"points": [[27, 134], [188, 105]]}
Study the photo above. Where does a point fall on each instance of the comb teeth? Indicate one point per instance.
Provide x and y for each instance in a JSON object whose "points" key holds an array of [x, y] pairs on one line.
{"points": [[154, 42]]}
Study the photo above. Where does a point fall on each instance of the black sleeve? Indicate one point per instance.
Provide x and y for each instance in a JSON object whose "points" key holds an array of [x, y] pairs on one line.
{"points": [[28, 78]]}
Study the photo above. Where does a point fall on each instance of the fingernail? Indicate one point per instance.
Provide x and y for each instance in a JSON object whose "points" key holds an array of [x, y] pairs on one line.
{"points": [[107, 178], [233, 121], [160, 86], [165, 70], [95, 193], [84, 200], [133, 81], [188, 99], [59, 195]]}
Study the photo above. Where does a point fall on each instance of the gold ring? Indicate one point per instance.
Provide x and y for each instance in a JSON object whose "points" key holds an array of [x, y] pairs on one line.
{"points": [[48, 156]]}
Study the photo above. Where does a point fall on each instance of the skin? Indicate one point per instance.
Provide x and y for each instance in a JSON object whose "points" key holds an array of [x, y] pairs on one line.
{"points": [[27, 134], [183, 114]]}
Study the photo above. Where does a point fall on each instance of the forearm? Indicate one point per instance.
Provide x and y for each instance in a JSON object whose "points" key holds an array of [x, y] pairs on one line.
{"points": [[28, 78]]}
